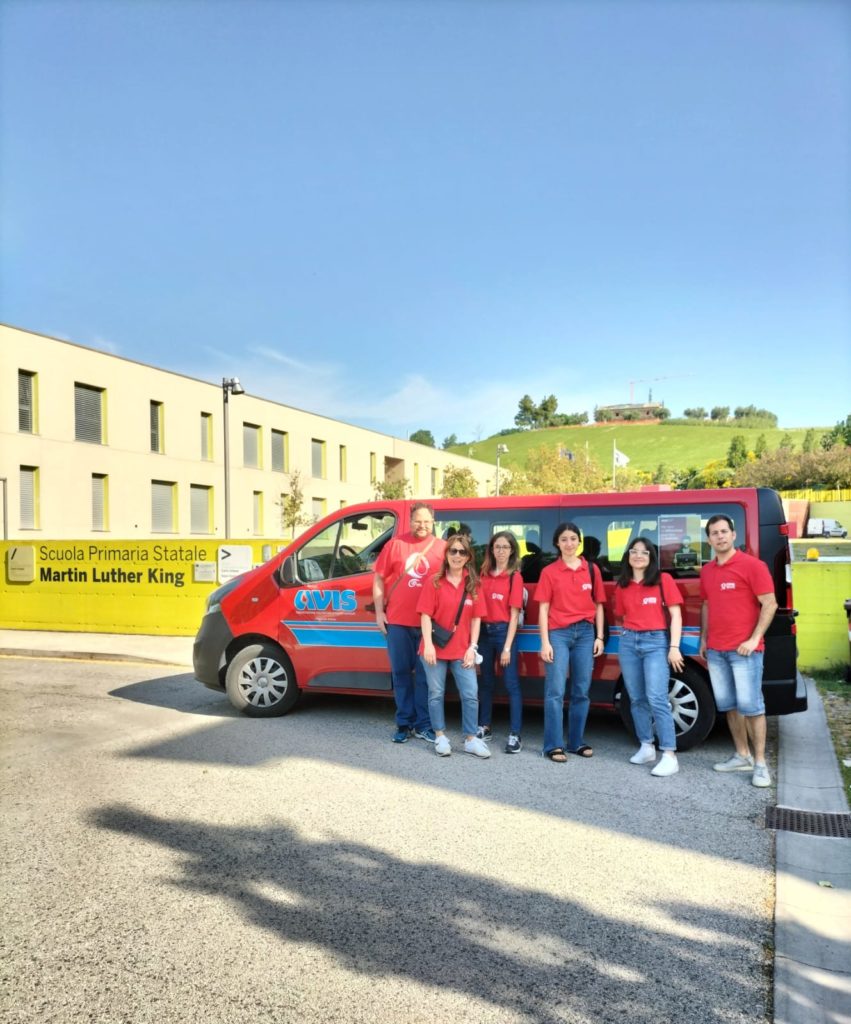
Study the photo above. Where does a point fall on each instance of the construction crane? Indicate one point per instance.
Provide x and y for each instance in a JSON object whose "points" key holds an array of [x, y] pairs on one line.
{"points": [[651, 380]]}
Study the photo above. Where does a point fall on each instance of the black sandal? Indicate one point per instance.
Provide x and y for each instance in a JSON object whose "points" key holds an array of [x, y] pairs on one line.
{"points": [[556, 754], [583, 751]]}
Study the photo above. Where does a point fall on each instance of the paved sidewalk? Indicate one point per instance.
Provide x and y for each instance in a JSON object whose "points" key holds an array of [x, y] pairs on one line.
{"points": [[812, 968]]}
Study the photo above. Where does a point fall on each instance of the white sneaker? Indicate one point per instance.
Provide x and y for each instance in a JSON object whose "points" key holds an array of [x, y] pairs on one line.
{"points": [[736, 763], [668, 765], [477, 747], [646, 754], [442, 746], [761, 776]]}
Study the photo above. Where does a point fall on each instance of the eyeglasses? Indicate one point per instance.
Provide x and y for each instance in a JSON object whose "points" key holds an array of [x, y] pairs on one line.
{"points": [[457, 551], [502, 547], [635, 553]]}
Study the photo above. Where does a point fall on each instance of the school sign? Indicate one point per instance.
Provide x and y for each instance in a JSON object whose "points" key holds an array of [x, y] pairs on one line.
{"points": [[153, 587]]}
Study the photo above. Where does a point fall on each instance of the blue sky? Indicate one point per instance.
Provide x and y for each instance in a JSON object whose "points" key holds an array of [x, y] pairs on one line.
{"points": [[409, 214]]}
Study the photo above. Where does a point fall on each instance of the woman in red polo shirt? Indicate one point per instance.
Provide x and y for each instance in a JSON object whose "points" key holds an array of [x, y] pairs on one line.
{"points": [[647, 652], [571, 619], [454, 586]]}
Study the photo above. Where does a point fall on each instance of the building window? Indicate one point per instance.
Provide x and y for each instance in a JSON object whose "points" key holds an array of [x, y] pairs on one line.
{"points": [[29, 497], [317, 508], [206, 436], [317, 458], [343, 472], [200, 509], [157, 427], [373, 464], [26, 402], [280, 451], [251, 445], [416, 478], [88, 414], [100, 509], [257, 505], [163, 506], [434, 481]]}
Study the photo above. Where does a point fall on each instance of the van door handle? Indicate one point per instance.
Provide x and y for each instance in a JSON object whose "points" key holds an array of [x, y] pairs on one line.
{"points": [[369, 607]]}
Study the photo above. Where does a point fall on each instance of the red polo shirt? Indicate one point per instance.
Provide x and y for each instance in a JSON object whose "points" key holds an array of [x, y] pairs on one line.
{"points": [[501, 592], [406, 556], [571, 595], [730, 592], [641, 607], [440, 603]]}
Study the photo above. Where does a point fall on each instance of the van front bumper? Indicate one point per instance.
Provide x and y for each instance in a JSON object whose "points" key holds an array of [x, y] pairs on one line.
{"points": [[208, 651]]}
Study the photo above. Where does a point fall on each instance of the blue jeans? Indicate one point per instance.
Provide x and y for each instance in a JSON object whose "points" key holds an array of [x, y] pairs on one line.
{"points": [[409, 682], [573, 657], [465, 681], [643, 656], [736, 681], [491, 644]]}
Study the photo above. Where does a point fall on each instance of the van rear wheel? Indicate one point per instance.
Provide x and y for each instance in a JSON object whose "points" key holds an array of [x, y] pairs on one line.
{"points": [[692, 706], [260, 681]]}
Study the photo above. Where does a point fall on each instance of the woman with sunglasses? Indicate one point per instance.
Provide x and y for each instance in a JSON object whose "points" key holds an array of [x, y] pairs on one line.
{"points": [[502, 592], [571, 618], [647, 653], [453, 588]]}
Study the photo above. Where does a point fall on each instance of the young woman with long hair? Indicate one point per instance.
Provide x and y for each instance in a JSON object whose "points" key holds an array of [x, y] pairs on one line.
{"points": [[454, 586], [571, 618], [502, 591], [648, 651]]}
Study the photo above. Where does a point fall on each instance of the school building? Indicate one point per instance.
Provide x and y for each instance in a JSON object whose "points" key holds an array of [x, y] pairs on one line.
{"points": [[93, 444]]}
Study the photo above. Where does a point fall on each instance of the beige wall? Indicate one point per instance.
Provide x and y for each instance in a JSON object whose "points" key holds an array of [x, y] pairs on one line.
{"points": [[65, 466]]}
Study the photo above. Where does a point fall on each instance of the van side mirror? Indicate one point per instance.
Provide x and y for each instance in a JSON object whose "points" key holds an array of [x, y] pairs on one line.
{"points": [[288, 571]]}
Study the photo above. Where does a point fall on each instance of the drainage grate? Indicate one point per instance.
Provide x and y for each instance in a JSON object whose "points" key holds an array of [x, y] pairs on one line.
{"points": [[809, 823]]}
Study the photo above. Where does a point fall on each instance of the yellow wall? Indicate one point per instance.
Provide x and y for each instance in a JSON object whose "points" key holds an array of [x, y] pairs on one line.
{"points": [[819, 592], [90, 586]]}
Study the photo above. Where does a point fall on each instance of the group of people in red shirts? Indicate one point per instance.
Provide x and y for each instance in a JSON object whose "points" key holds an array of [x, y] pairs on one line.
{"points": [[438, 613]]}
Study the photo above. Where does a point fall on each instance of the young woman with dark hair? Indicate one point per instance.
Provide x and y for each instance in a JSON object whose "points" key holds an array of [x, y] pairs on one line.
{"points": [[501, 587], [454, 587], [648, 652]]}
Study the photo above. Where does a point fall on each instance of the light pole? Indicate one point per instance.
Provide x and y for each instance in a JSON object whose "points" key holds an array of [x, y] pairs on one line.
{"points": [[501, 449], [230, 386]]}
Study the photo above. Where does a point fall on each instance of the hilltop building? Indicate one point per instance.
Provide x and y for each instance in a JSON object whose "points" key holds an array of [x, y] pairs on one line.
{"points": [[94, 445], [628, 411]]}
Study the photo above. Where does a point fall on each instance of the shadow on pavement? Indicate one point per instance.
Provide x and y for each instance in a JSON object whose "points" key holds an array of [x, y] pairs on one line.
{"points": [[543, 958]]}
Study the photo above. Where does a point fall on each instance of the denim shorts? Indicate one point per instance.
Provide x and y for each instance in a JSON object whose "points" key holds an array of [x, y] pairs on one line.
{"points": [[737, 681]]}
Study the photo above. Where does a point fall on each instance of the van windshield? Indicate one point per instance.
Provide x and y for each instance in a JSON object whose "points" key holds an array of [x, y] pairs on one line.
{"points": [[345, 548]]}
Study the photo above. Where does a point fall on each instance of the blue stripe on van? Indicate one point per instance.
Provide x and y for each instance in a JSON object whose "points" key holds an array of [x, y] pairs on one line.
{"points": [[364, 636]]}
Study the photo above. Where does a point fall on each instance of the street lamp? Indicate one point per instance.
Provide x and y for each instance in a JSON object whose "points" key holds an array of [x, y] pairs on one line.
{"points": [[230, 386], [501, 449]]}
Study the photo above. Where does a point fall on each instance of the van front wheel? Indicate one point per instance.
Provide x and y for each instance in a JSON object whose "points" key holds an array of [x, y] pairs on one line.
{"points": [[260, 681], [692, 706]]}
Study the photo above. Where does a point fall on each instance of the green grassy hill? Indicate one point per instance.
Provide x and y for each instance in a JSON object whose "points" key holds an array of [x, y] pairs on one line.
{"points": [[647, 445]]}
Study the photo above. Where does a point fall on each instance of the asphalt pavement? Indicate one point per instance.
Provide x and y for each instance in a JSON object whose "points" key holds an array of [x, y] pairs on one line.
{"points": [[812, 954]]}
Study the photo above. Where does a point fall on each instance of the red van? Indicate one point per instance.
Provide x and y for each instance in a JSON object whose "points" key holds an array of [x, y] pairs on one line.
{"points": [[305, 621]]}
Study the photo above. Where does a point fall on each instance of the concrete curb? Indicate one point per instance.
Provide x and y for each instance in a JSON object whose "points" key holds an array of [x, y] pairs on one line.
{"points": [[24, 652], [812, 921]]}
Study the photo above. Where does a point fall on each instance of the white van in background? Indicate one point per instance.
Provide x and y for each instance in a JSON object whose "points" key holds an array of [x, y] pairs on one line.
{"points": [[825, 528]]}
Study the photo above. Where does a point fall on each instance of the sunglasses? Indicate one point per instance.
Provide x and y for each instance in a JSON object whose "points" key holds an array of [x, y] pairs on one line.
{"points": [[457, 551]]}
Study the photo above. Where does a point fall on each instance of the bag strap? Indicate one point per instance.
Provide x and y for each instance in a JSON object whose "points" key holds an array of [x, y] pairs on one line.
{"points": [[398, 579], [461, 604]]}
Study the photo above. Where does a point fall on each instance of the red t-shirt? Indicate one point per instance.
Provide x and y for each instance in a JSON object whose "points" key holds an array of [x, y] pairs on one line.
{"points": [[501, 592], [407, 556], [730, 592], [641, 607], [570, 593], [441, 605]]}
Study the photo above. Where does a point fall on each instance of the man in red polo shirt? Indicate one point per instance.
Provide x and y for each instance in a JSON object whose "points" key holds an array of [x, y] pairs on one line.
{"points": [[738, 606], [402, 566]]}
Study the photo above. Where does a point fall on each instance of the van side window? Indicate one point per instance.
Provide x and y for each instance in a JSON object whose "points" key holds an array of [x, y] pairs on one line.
{"points": [[677, 532], [533, 557], [345, 548]]}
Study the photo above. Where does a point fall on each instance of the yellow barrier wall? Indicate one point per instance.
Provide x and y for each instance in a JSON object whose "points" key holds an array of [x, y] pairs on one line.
{"points": [[819, 591], [154, 587]]}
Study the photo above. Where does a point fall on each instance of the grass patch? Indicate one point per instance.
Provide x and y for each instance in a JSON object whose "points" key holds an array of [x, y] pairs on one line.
{"points": [[836, 696], [646, 444]]}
